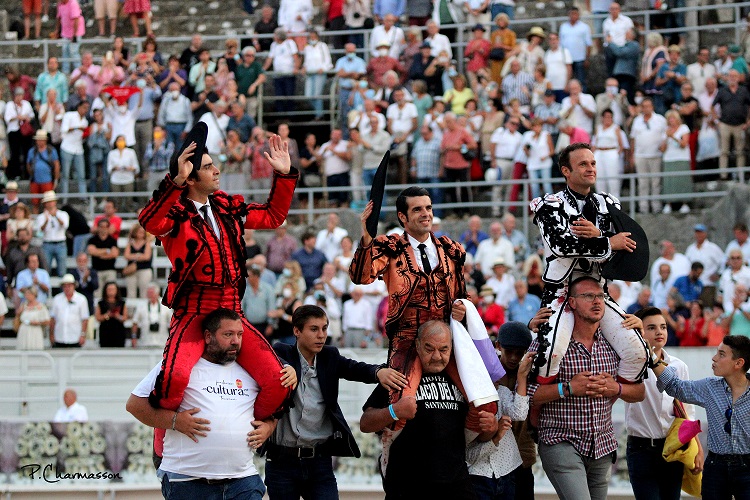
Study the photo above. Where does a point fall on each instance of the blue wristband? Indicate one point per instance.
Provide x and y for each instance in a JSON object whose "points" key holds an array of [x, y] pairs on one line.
{"points": [[560, 390], [392, 412]]}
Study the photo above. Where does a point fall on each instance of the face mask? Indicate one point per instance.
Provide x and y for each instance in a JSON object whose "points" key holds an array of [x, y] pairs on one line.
{"points": [[175, 94], [452, 72], [120, 144], [313, 42], [350, 56], [140, 83], [159, 135], [638, 99], [286, 272], [382, 52], [363, 84], [286, 293], [489, 299], [612, 89], [122, 109]]}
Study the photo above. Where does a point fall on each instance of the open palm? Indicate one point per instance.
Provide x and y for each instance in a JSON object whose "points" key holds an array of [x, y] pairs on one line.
{"points": [[279, 157]]}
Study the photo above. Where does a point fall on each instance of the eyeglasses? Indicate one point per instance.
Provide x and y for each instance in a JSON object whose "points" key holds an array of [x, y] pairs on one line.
{"points": [[734, 258], [728, 424], [590, 297], [514, 123]]}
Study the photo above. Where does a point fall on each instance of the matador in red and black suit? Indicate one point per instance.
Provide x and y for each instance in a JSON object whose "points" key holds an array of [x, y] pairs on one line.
{"points": [[208, 266]]}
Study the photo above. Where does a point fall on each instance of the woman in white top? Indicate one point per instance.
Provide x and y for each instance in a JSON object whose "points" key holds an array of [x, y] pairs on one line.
{"points": [[607, 143], [51, 115], [317, 64], [675, 149], [122, 165], [537, 143], [30, 321]]}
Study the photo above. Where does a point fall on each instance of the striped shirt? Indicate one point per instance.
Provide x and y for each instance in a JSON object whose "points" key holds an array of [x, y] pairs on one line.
{"points": [[714, 394], [584, 422], [513, 85], [427, 157]]}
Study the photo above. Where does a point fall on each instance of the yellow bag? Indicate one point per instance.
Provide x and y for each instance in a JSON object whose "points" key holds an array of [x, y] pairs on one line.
{"points": [[681, 445]]}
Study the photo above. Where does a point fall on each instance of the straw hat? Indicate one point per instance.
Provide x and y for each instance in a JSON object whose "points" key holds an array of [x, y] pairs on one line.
{"points": [[49, 196], [536, 31], [41, 135]]}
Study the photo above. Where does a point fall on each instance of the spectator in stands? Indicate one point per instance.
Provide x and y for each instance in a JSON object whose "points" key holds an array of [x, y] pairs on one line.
{"points": [[175, 115], [473, 236], [249, 75], [173, 74], [53, 78], [661, 286], [506, 143], [539, 149], [139, 9], [204, 66], [111, 74], [32, 275], [261, 170], [144, 121], [692, 116], [733, 101], [284, 56], [740, 240], [16, 79], [8, 202], [645, 134], [89, 73], [292, 277], [78, 96], [70, 27], [108, 9], [626, 59], [669, 79], [523, 306], [453, 166], [73, 411], [86, 278], [50, 117], [103, 250], [266, 25], [559, 65], [349, 69], [738, 62], [29, 321], [237, 165], [615, 100], [20, 246], [329, 239], [478, 53], [317, 62], [74, 123], [706, 101], [357, 319], [17, 113], [496, 247], [122, 166], [458, 96], [336, 157], [121, 53], [152, 319], [29, 8], [575, 36], [690, 286], [43, 167], [427, 68], [158, 154], [501, 282], [425, 165], [699, 71], [579, 108], [654, 57], [676, 158], [111, 313], [266, 275], [708, 253], [679, 264], [693, 331], [110, 214], [259, 300], [614, 30], [608, 143], [530, 52], [503, 44], [279, 249], [492, 313], [736, 320], [138, 271], [438, 42], [123, 120], [222, 75], [518, 84], [310, 259], [516, 237], [53, 224], [402, 122], [217, 121], [736, 274], [294, 17], [332, 287]]}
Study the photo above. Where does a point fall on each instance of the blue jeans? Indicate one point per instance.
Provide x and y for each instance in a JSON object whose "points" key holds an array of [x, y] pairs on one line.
{"points": [[70, 51], [80, 242], [284, 86], [492, 488], [496, 9], [59, 252], [94, 176], [651, 476], [579, 73], [723, 478], [338, 180], [80, 171], [174, 133], [544, 175], [244, 488], [292, 478], [436, 193], [314, 85]]}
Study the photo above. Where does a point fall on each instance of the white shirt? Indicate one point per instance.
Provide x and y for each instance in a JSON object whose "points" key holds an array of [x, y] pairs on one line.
{"points": [[119, 165], [148, 314], [488, 460], [211, 216], [283, 56], [73, 413], [617, 28], [706, 102], [226, 396], [679, 266], [674, 151], [576, 38], [578, 117], [394, 36], [745, 248], [710, 255], [488, 251], [334, 164], [652, 417], [69, 317], [54, 231], [697, 75], [365, 127], [648, 135], [13, 111], [122, 124], [600, 5], [557, 62], [430, 250], [723, 67], [504, 289], [401, 118], [317, 57], [539, 156], [440, 43], [659, 291], [506, 143], [72, 140], [729, 280], [330, 243], [290, 10], [217, 126], [358, 315], [628, 292]]}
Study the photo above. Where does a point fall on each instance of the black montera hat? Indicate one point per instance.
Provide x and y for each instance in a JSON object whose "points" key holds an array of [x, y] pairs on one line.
{"points": [[198, 135], [627, 266], [376, 195]]}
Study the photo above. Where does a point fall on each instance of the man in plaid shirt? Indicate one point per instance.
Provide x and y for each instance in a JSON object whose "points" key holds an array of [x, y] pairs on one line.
{"points": [[577, 444]]}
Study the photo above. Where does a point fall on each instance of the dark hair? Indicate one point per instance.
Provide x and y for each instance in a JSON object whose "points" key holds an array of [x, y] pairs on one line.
{"points": [[302, 314], [402, 205], [575, 283], [574, 9], [740, 226], [32, 254], [648, 312], [565, 154], [647, 99], [307, 235], [118, 297], [103, 221], [607, 112], [204, 49], [151, 40], [740, 346], [695, 266], [213, 320], [173, 58]]}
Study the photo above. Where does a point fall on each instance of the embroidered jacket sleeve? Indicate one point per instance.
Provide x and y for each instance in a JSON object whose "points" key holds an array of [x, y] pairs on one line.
{"points": [[554, 226], [369, 262], [153, 217], [273, 212]]}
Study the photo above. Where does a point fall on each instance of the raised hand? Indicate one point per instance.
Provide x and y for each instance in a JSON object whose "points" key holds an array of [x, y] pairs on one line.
{"points": [[184, 165], [366, 237], [279, 157]]}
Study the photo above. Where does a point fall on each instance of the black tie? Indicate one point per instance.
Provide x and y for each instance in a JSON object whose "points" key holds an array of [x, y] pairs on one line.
{"points": [[204, 210], [589, 210], [426, 267]]}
